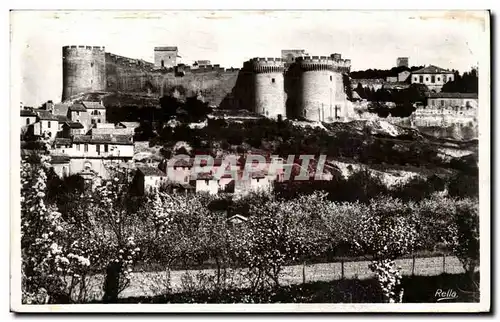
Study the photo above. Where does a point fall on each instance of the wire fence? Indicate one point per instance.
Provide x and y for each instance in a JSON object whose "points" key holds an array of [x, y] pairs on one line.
{"points": [[144, 283]]}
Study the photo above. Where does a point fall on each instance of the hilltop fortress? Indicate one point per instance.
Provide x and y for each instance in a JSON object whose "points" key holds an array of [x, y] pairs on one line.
{"points": [[295, 85]]}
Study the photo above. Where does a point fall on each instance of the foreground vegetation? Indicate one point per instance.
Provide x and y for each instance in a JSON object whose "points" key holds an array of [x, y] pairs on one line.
{"points": [[418, 289], [107, 231]]}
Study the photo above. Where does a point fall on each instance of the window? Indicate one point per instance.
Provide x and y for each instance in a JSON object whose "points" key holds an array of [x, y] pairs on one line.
{"points": [[162, 63], [433, 79], [273, 80], [439, 79], [206, 182], [427, 79], [86, 147], [450, 79], [331, 78], [99, 121], [105, 148], [92, 121], [78, 113], [415, 79], [98, 149], [421, 79], [28, 121], [92, 64], [49, 122]]}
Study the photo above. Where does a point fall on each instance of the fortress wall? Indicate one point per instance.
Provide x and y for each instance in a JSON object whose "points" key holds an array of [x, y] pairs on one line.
{"points": [[213, 83]]}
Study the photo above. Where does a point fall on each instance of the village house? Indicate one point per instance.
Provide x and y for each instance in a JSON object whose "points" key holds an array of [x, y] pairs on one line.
{"points": [[91, 153], [108, 128], [206, 183], [70, 128], [78, 113], [47, 123], [61, 145], [96, 110], [28, 118], [129, 126], [432, 76], [61, 165], [458, 104], [149, 180]]}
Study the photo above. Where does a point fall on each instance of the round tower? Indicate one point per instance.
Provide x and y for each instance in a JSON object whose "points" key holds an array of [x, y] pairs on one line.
{"points": [[84, 70], [321, 94], [269, 87]]}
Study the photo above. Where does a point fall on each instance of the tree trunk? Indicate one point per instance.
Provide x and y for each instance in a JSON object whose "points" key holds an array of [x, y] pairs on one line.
{"points": [[112, 283]]}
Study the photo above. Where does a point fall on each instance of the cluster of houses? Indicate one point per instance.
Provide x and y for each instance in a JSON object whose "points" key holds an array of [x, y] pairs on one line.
{"points": [[433, 77], [84, 144]]}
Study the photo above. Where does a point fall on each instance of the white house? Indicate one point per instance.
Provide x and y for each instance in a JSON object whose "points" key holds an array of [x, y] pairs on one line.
{"points": [[93, 153], [149, 180], [46, 123], [96, 110], [28, 118], [432, 76], [206, 183]]}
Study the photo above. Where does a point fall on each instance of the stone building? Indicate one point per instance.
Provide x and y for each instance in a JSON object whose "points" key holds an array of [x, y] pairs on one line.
{"points": [[432, 76], [148, 180], [96, 110], [165, 57], [402, 61]]}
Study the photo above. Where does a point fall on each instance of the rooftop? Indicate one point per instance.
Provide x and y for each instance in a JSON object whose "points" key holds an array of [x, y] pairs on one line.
{"points": [[132, 125], [166, 48], [151, 172], [61, 109], [431, 69], [74, 125], [46, 115], [59, 159], [452, 95], [62, 141], [77, 107], [27, 113], [93, 105], [61, 118], [104, 139]]}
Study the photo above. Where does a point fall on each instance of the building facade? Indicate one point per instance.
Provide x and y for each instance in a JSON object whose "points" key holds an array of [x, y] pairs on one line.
{"points": [[165, 57], [433, 77]]}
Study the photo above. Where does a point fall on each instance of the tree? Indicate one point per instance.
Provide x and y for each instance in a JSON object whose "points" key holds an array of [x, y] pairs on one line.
{"points": [[275, 235], [464, 236], [386, 232]]}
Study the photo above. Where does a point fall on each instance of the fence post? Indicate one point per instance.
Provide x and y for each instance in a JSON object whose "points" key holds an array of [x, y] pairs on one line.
{"points": [[303, 272], [342, 268], [413, 266], [444, 263]]}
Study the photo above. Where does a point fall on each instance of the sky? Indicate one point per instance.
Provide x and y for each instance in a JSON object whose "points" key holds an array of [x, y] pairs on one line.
{"points": [[370, 39]]}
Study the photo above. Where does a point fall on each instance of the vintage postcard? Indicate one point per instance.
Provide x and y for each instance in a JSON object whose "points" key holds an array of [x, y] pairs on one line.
{"points": [[250, 161]]}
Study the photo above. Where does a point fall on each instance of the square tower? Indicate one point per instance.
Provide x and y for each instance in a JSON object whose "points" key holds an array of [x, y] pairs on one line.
{"points": [[402, 62], [166, 57]]}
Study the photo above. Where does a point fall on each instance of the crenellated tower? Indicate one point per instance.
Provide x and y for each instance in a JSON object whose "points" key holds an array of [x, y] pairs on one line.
{"points": [[269, 97], [321, 94], [84, 70]]}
